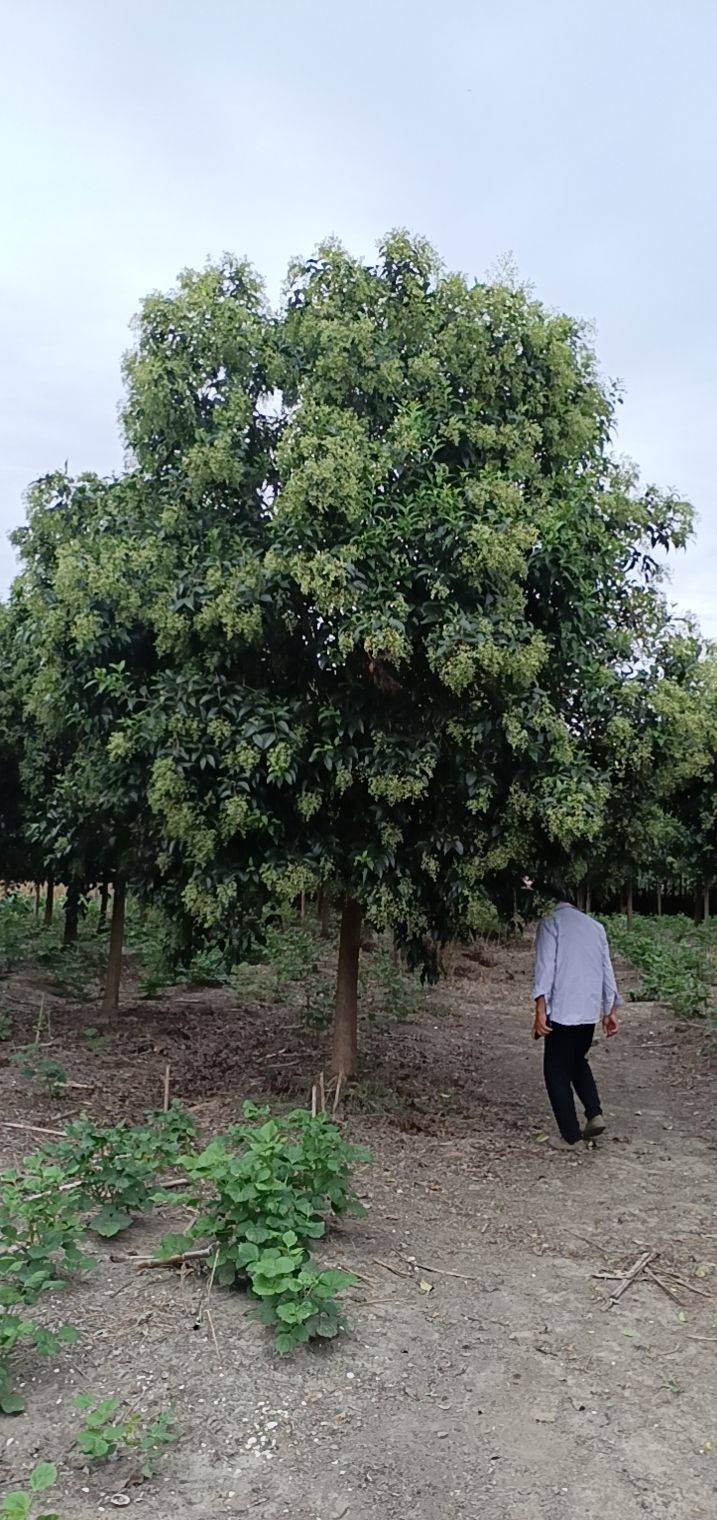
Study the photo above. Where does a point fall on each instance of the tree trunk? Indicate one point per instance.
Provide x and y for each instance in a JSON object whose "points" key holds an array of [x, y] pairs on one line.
{"points": [[186, 941], [110, 1000], [659, 902], [104, 899], [344, 1059], [588, 900], [38, 885], [706, 903], [49, 901], [628, 905], [698, 905], [302, 905], [72, 914]]}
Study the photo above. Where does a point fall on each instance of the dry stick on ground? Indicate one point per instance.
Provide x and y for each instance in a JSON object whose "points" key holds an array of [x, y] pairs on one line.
{"points": [[691, 1288], [629, 1278], [167, 1074], [34, 1129], [444, 1272], [144, 1263], [395, 1270], [668, 1291]]}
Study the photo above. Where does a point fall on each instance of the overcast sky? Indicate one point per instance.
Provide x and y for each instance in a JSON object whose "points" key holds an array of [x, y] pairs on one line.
{"points": [[140, 136]]}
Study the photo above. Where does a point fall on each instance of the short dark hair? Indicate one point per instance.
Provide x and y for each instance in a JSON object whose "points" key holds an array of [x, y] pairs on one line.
{"points": [[560, 888]]}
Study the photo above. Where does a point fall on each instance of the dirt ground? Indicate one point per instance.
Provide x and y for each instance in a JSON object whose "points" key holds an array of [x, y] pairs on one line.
{"points": [[512, 1388]]}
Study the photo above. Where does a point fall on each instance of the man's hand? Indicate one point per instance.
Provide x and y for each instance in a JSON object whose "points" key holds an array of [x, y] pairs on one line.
{"points": [[541, 1027], [610, 1024]]}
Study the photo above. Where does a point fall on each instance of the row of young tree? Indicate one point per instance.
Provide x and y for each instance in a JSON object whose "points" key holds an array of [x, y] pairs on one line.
{"points": [[372, 613]]}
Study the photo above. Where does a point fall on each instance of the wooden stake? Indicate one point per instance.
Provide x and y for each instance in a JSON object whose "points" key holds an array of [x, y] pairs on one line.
{"points": [[322, 1093], [167, 1072], [337, 1094], [40, 1019]]}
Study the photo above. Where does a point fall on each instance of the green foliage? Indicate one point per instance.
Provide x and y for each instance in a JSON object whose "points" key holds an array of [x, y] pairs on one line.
{"points": [[18, 931], [103, 1436], [116, 1167], [298, 1302], [20, 1505], [40, 1235], [387, 989], [292, 970], [44, 1071], [262, 1195], [357, 617], [25, 940], [93, 1039], [5, 1026], [294, 966], [677, 961]]}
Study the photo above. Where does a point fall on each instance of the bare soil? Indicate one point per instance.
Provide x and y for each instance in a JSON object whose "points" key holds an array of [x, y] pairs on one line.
{"points": [[485, 1373]]}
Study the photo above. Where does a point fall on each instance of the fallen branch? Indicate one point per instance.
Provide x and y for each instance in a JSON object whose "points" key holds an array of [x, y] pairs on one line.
{"points": [[691, 1288], [629, 1278], [145, 1263], [654, 1278], [445, 1272], [389, 1268], [33, 1129]]}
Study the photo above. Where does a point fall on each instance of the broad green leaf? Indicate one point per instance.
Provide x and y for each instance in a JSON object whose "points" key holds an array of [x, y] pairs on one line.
{"points": [[42, 1477]]}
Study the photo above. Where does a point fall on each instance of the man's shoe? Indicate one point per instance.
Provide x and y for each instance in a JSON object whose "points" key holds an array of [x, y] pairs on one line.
{"points": [[594, 1127], [565, 1146]]}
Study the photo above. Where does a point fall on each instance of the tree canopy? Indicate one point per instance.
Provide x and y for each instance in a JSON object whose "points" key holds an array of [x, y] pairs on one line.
{"points": [[373, 610]]}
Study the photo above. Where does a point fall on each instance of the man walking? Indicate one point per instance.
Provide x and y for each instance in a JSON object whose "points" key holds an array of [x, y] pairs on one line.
{"points": [[574, 987]]}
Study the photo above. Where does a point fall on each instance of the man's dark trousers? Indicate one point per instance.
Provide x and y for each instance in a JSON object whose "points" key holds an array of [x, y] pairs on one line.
{"points": [[565, 1066]]}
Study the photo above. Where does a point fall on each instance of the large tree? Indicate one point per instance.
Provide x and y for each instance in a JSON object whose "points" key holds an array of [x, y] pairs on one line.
{"points": [[366, 581]]}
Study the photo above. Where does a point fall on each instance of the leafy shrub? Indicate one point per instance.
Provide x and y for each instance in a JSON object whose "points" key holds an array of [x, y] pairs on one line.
{"points": [[40, 1233], [116, 1167], [18, 931], [207, 968], [102, 1436], [93, 1039], [262, 1195], [675, 958], [387, 989], [294, 968], [290, 971], [44, 1071], [19, 1505]]}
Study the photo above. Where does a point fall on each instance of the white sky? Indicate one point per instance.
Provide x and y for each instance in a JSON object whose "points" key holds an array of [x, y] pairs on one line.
{"points": [[139, 137]]}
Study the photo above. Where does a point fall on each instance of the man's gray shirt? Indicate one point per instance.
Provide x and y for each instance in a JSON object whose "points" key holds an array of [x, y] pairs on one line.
{"points": [[573, 970]]}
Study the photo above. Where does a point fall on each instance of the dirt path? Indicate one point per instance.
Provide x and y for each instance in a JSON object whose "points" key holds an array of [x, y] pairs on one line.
{"points": [[510, 1389]]}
